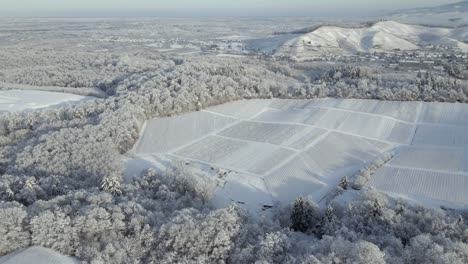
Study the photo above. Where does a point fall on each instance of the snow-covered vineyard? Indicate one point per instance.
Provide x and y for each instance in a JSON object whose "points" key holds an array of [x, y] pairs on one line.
{"points": [[275, 150]]}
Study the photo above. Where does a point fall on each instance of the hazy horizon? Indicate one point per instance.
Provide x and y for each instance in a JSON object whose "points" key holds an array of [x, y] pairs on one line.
{"points": [[207, 7]]}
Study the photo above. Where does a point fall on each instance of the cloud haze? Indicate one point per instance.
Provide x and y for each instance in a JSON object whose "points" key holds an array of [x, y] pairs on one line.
{"points": [[257, 7]]}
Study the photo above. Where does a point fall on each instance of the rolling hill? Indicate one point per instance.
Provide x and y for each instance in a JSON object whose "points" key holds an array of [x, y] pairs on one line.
{"points": [[381, 36]]}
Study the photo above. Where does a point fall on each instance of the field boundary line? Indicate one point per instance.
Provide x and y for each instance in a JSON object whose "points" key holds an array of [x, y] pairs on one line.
{"points": [[417, 119], [290, 158], [174, 150], [298, 136], [219, 114], [230, 116], [257, 142], [418, 123], [312, 170], [426, 170], [133, 151], [454, 147], [357, 112], [323, 128]]}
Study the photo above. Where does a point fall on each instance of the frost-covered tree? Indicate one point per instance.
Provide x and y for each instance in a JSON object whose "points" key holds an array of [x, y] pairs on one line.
{"points": [[13, 227], [53, 230], [111, 185]]}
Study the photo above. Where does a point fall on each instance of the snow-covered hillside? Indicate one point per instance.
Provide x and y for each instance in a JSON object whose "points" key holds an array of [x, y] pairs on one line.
{"points": [[275, 150], [18, 100], [382, 36]]}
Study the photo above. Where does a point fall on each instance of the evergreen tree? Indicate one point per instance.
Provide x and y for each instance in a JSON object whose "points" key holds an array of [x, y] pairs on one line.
{"points": [[302, 215], [329, 213], [111, 185], [344, 183]]}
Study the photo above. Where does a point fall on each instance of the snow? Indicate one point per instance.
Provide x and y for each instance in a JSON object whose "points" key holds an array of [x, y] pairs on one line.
{"points": [[441, 135], [433, 169], [243, 109], [244, 189], [434, 158], [401, 111], [382, 36], [377, 127], [19, 100], [430, 188], [252, 157], [275, 150], [37, 255], [269, 44], [293, 179], [291, 116], [263, 132], [380, 125], [164, 134], [302, 140], [230, 55], [445, 113]]}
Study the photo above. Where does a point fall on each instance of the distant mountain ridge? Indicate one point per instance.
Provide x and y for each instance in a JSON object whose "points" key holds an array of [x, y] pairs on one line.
{"points": [[455, 7], [451, 15]]}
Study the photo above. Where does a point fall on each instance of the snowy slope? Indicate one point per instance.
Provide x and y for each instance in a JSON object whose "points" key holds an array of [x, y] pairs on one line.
{"points": [[37, 255], [275, 150], [382, 36], [19, 100]]}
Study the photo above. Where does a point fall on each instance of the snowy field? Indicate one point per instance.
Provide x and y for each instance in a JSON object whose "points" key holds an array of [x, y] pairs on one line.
{"points": [[19, 100], [37, 255], [275, 150]]}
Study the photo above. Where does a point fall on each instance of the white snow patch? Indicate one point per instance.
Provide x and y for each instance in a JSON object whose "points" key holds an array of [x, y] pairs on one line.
{"points": [[19, 100], [164, 134], [37, 255]]}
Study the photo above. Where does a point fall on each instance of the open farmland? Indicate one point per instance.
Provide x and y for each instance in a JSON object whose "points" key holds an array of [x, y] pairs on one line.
{"points": [[287, 148]]}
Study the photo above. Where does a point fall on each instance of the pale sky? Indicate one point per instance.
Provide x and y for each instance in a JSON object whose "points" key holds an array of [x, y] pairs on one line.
{"points": [[194, 6]]}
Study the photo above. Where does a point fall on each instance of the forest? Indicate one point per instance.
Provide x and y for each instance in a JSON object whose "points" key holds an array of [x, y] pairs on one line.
{"points": [[61, 182]]}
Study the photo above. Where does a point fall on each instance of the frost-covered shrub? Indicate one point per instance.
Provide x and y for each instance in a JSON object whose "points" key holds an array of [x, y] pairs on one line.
{"points": [[366, 173]]}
